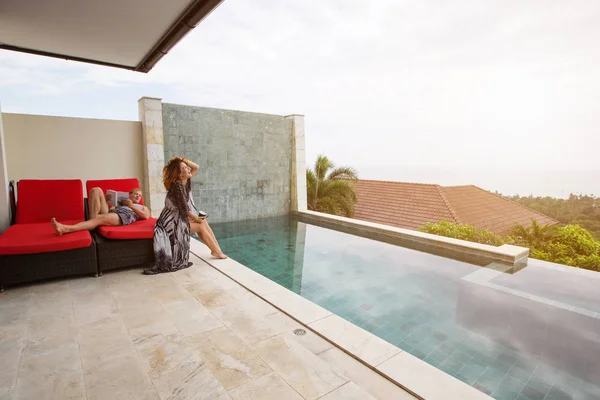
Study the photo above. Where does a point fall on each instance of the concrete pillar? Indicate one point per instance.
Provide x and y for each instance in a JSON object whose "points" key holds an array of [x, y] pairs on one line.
{"points": [[298, 178], [150, 112], [4, 201]]}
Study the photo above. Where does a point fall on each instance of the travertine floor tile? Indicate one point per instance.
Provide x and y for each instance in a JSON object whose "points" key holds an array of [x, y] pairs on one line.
{"points": [[349, 391], [310, 340], [302, 370], [156, 329], [139, 315], [269, 387], [10, 350], [7, 395], [167, 353], [375, 384], [253, 327], [166, 289], [61, 359], [232, 361], [15, 330], [193, 382], [191, 317], [86, 284], [60, 386], [356, 340], [214, 296], [52, 340], [86, 312], [13, 311], [302, 309], [50, 304], [102, 340], [121, 378], [194, 334], [417, 375], [49, 332]]}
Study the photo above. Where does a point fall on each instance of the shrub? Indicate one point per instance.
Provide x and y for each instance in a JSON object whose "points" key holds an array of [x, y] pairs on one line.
{"points": [[463, 232], [569, 245]]}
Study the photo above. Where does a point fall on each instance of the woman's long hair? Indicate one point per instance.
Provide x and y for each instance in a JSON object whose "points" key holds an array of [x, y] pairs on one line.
{"points": [[171, 172]]}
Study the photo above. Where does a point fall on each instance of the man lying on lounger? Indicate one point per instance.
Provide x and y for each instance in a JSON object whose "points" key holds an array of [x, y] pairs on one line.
{"points": [[129, 211]]}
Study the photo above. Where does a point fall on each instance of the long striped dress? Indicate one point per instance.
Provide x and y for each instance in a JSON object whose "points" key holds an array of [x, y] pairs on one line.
{"points": [[172, 231]]}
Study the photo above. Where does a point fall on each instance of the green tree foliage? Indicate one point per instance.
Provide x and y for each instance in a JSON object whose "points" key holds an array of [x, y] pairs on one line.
{"points": [[569, 244], [576, 210], [535, 236], [330, 189], [463, 232]]}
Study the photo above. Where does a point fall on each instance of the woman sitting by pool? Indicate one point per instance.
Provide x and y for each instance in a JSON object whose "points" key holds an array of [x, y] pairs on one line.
{"points": [[178, 219]]}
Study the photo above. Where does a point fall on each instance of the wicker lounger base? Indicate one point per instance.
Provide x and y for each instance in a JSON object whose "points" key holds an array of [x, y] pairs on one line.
{"points": [[116, 253], [24, 268]]}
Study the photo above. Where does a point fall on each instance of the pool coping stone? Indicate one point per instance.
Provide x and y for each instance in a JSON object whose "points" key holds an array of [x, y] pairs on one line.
{"points": [[462, 250], [405, 370]]}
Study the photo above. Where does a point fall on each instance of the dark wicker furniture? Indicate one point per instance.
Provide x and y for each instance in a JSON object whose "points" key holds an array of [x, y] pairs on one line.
{"points": [[120, 253], [30, 250], [122, 246]]}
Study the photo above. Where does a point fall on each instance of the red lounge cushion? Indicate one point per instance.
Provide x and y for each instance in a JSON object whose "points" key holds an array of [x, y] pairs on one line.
{"points": [[40, 238], [143, 229], [40, 200], [120, 185]]}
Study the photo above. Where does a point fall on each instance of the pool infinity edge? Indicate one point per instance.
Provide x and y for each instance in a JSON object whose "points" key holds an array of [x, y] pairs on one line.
{"points": [[405, 370]]}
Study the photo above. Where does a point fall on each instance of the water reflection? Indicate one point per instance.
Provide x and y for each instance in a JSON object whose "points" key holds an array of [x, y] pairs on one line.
{"points": [[491, 333]]}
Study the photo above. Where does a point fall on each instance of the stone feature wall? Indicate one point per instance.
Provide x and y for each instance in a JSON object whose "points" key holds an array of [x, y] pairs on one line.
{"points": [[245, 159]]}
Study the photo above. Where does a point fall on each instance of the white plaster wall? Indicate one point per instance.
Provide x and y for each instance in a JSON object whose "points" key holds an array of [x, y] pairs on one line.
{"points": [[48, 147]]}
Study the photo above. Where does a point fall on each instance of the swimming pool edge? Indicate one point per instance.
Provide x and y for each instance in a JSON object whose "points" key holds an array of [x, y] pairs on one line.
{"points": [[461, 250], [405, 370]]}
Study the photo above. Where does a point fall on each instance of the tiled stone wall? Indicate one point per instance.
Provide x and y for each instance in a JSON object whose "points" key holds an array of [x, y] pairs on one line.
{"points": [[245, 159]]}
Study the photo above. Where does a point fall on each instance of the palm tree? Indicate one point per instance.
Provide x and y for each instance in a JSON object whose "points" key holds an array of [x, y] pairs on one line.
{"points": [[330, 189], [536, 235]]}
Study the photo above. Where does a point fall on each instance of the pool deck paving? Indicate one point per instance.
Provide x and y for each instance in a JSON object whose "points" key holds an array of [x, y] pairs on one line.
{"points": [[193, 334]]}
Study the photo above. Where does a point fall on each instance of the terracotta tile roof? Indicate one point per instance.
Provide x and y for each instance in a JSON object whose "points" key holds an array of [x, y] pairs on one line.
{"points": [[412, 205], [405, 205], [478, 207]]}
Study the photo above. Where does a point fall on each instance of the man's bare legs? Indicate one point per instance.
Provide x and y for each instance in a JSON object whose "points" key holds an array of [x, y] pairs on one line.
{"points": [[100, 220], [97, 203], [208, 238]]}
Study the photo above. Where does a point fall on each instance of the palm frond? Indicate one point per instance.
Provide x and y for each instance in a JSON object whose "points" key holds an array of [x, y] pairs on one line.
{"points": [[328, 205], [337, 190], [311, 180], [346, 207], [343, 173], [332, 193], [322, 165]]}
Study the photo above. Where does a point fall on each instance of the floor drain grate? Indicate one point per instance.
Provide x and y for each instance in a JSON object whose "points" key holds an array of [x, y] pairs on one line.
{"points": [[299, 332]]}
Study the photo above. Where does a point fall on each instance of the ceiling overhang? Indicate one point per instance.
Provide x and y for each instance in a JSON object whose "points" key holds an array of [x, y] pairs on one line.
{"points": [[129, 34]]}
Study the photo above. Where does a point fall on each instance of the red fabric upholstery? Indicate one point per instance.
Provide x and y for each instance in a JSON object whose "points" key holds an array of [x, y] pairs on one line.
{"points": [[40, 200], [120, 185], [41, 238], [142, 229]]}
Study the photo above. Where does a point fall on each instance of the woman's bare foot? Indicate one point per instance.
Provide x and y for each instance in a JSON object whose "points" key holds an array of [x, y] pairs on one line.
{"points": [[218, 255], [59, 228]]}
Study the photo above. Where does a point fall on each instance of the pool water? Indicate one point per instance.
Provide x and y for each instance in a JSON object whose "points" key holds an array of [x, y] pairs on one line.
{"points": [[421, 303]]}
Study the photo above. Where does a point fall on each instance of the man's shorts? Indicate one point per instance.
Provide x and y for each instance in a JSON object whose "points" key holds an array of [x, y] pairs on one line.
{"points": [[126, 215]]}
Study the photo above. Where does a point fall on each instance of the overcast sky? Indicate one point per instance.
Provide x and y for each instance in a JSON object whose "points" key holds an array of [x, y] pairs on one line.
{"points": [[383, 83]]}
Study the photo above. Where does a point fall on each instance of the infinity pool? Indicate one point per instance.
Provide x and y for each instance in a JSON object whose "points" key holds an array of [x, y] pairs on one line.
{"points": [[532, 335]]}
